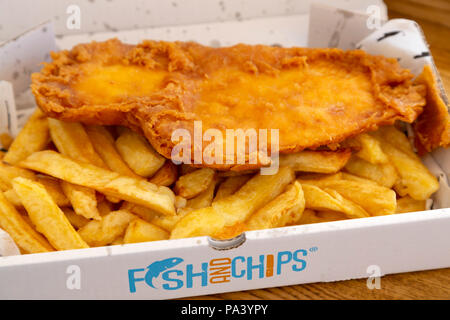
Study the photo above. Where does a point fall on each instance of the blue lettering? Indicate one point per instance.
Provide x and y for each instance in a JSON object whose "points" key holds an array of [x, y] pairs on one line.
{"points": [[281, 261], [234, 270], [132, 280], [302, 261], [259, 266], [166, 276], [190, 275]]}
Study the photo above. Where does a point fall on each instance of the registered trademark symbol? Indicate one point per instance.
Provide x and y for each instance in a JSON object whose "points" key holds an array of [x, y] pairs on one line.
{"points": [[313, 249]]}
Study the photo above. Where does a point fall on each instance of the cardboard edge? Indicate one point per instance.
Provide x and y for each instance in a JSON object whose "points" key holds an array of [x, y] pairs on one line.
{"points": [[250, 236]]}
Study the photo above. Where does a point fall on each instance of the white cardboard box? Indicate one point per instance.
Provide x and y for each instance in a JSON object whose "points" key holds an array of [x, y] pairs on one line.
{"points": [[188, 267]]}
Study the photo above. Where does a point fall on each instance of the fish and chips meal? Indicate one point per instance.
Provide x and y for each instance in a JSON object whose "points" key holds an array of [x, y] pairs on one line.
{"points": [[94, 164]]}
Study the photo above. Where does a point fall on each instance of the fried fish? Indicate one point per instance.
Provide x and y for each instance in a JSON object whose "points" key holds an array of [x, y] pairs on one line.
{"points": [[314, 97]]}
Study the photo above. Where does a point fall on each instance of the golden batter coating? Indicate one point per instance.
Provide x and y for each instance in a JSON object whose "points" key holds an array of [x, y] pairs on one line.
{"points": [[315, 97]]}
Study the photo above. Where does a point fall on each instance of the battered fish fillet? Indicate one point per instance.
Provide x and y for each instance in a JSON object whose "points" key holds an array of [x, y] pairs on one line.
{"points": [[432, 129], [315, 97]]}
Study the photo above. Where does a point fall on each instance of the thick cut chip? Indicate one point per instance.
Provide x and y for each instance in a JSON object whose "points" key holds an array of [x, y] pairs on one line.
{"points": [[105, 231], [138, 153], [104, 144], [84, 200], [163, 221], [166, 175], [395, 137], [180, 202], [384, 174], [368, 148], [230, 185], [53, 188], [408, 204], [33, 137], [20, 230], [142, 231], [169, 222], [328, 199], [50, 184], [204, 199], [415, 179], [145, 213], [71, 140], [194, 183], [285, 209], [9, 172], [75, 219], [226, 217], [316, 161], [139, 191], [375, 199], [47, 216], [13, 198]]}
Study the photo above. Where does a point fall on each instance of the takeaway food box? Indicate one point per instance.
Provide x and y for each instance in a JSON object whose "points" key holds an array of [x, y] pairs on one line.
{"points": [[331, 251]]}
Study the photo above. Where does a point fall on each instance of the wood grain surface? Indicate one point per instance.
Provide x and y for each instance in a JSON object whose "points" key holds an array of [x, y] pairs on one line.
{"points": [[434, 18]]}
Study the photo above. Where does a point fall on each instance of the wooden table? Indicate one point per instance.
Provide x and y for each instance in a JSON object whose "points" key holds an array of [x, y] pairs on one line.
{"points": [[434, 18]]}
